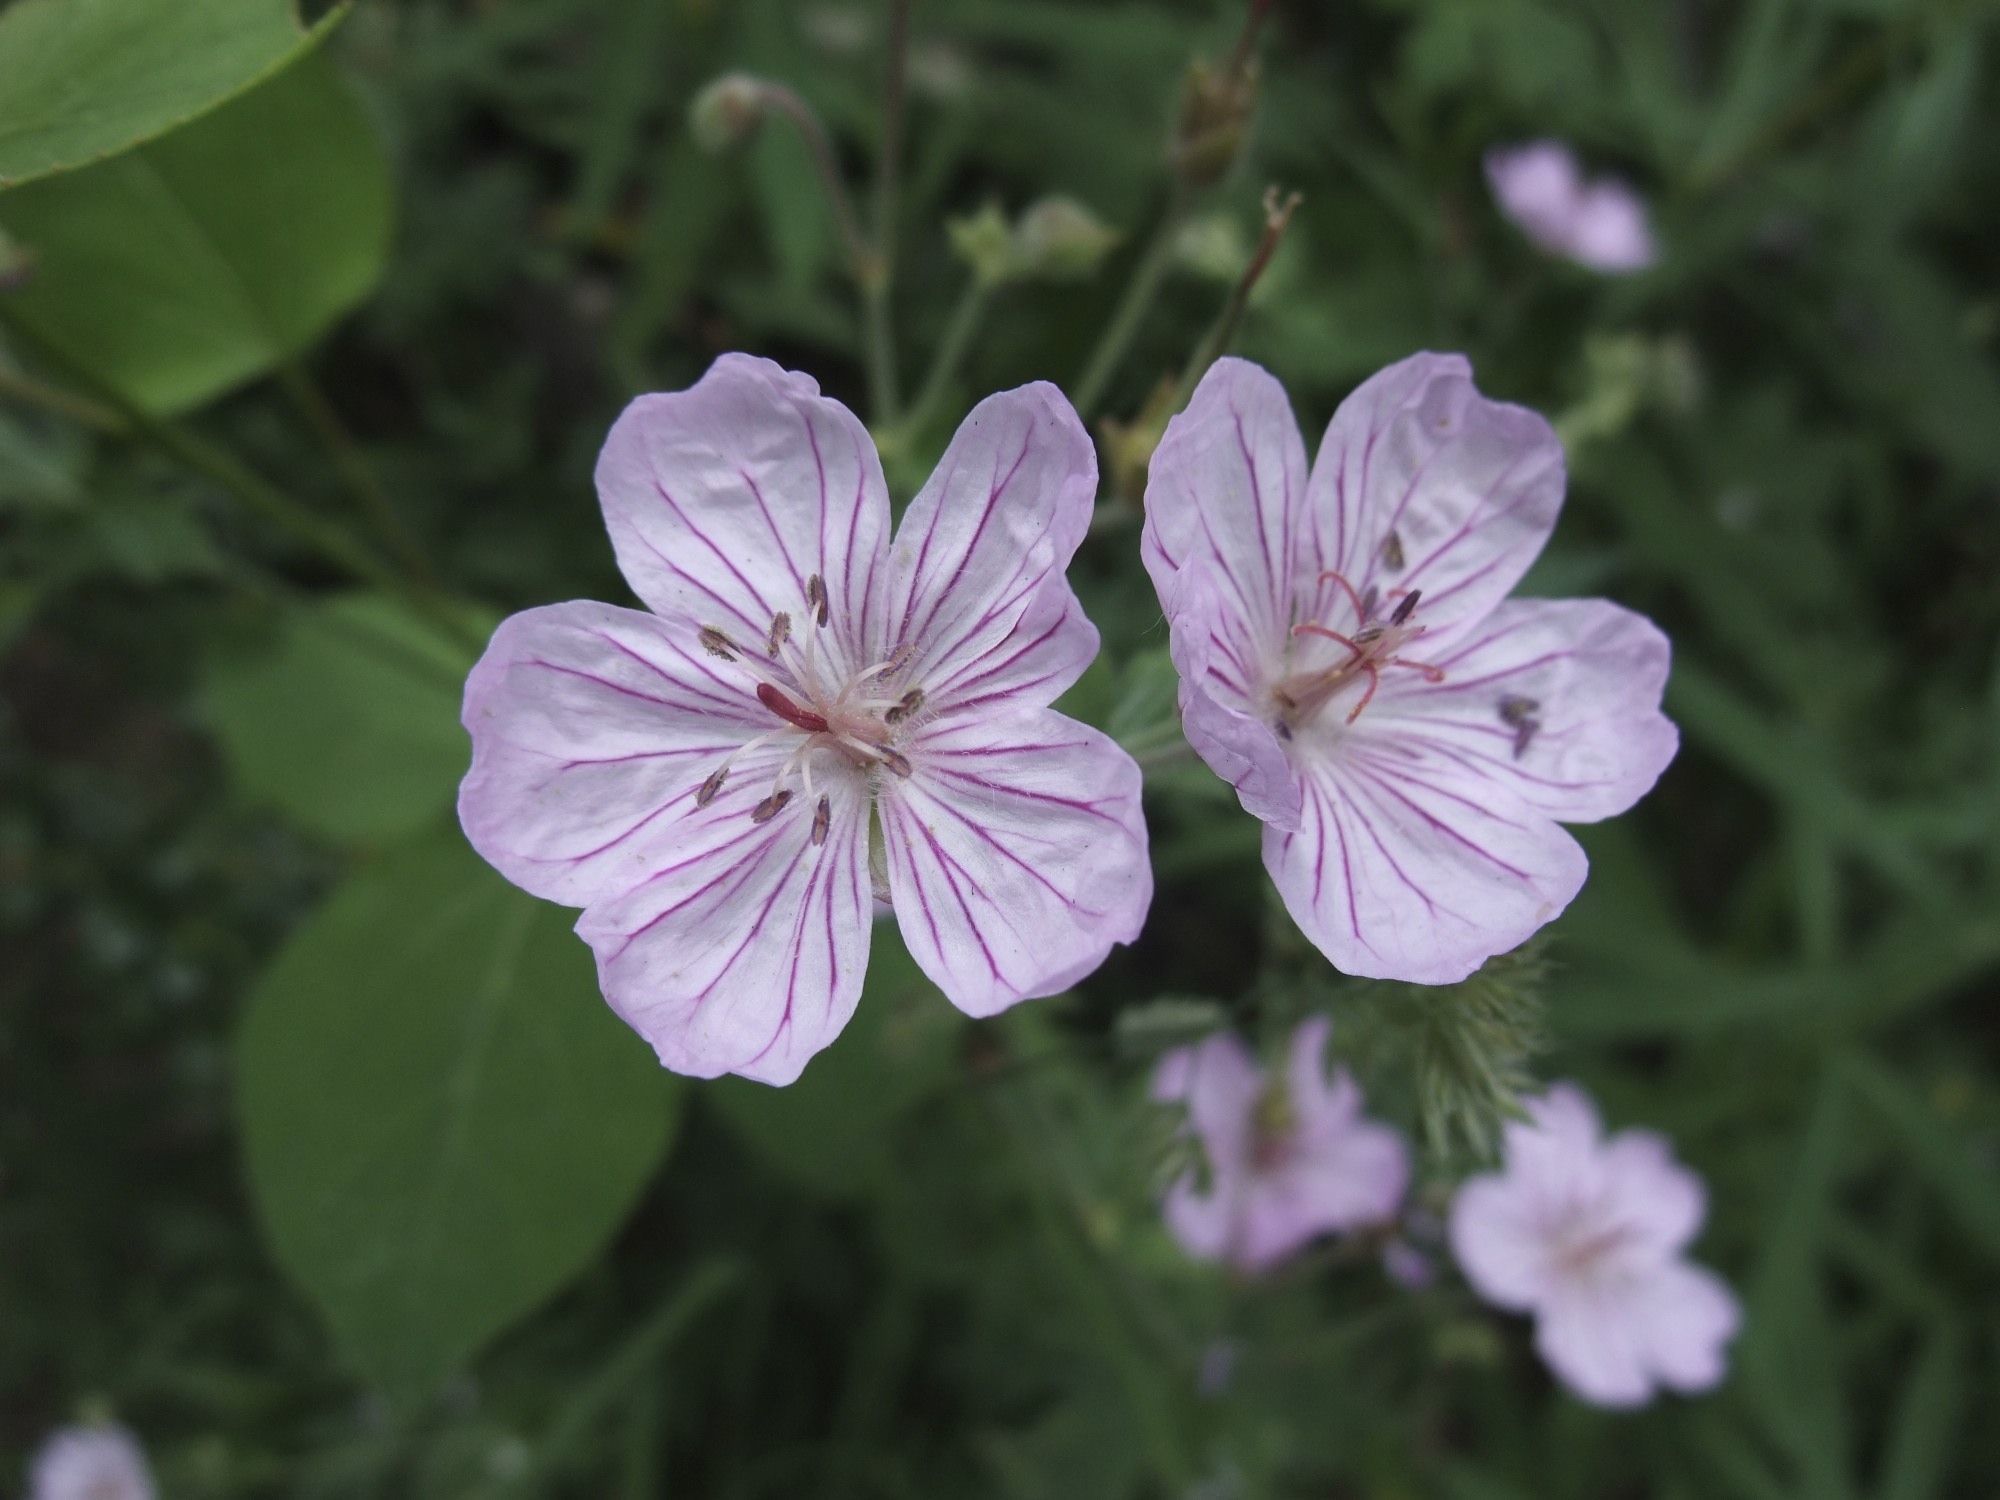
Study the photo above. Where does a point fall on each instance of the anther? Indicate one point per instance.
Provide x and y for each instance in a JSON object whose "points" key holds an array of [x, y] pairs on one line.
{"points": [[770, 807], [816, 598], [911, 702], [715, 643], [790, 712], [781, 631], [896, 761], [711, 786], [822, 821], [1408, 607], [1392, 553]]}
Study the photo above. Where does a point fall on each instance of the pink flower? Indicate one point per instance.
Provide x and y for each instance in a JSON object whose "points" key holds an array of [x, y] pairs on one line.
{"points": [[90, 1463], [1587, 1235], [1350, 662], [1288, 1158], [702, 779], [1600, 224]]}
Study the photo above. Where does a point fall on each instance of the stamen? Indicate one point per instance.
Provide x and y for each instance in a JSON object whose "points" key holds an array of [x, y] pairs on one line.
{"points": [[781, 631], [1431, 674], [770, 807], [1407, 607], [1360, 614], [715, 643], [1332, 635], [1374, 681], [816, 599], [711, 786], [898, 658], [789, 711], [895, 761], [822, 822], [1392, 553], [908, 704]]}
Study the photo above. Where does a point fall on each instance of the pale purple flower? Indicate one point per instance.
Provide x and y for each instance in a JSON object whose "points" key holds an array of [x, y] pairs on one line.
{"points": [[1288, 1158], [702, 779], [101, 1462], [1587, 1234], [1599, 223], [1350, 663]]}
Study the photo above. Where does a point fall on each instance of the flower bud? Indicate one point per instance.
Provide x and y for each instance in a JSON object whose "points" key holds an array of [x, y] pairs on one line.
{"points": [[727, 112], [1059, 239], [1216, 108], [983, 241]]}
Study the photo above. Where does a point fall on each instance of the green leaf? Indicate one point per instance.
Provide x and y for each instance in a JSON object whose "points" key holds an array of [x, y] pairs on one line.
{"points": [[81, 80], [180, 269], [832, 1130], [347, 720], [443, 1122]]}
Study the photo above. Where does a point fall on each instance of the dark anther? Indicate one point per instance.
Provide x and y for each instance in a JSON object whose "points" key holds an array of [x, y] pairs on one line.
{"points": [[912, 701], [715, 643], [1284, 729], [1392, 553], [710, 787], [822, 821], [816, 598], [770, 807], [1407, 607], [781, 631], [896, 761], [1520, 715]]}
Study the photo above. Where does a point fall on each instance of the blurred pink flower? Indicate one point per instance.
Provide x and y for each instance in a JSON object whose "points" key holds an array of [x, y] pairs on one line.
{"points": [[702, 779], [1600, 223], [1289, 1158], [90, 1463], [1350, 663], [1588, 1234]]}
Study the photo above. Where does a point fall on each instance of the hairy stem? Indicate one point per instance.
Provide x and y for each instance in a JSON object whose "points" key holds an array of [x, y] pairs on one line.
{"points": [[1131, 311]]}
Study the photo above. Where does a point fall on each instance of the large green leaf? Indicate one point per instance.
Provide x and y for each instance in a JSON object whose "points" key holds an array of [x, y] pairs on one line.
{"points": [[190, 264], [347, 720], [443, 1121], [81, 80], [833, 1129]]}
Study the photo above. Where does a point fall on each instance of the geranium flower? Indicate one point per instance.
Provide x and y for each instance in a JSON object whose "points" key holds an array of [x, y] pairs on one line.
{"points": [[1350, 662], [90, 1463], [701, 779], [1588, 1234], [1598, 223], [1288, 1158]]}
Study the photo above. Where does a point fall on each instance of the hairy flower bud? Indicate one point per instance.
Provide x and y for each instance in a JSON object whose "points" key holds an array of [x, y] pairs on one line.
{"points": [[1059, 239], [983, 241], [1217, 104], [727, 112]]}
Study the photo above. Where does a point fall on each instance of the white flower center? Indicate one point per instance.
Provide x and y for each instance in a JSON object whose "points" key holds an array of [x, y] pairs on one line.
{"points": [[856, 719]]}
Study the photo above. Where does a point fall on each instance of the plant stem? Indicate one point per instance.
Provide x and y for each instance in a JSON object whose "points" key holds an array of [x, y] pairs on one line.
{"points": [[1140, 291], [787, 102], [965, 320], [62, 403], [1277, 216], [355, 472], [883, 395]]}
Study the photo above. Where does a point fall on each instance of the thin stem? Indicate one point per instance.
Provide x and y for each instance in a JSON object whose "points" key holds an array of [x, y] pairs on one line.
{"points": [[883, 393], [1140, 291], [787, 102], [63, 403], [951, 350], [1277, 216], [250, 488], [355, 472]]}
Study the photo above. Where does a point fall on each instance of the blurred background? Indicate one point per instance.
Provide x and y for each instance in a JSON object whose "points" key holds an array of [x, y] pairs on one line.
{"points": [[322, 1166]]}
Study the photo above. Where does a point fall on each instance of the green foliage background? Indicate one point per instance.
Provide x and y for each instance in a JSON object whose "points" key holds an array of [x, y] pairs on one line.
{"points": [[321, 1164]]}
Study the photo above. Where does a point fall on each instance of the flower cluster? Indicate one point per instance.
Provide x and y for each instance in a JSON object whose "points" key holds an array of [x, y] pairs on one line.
{"points": [[1598, 223]]}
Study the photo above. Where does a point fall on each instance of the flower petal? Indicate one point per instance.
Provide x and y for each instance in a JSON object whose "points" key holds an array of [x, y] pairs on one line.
{"points": [[1422, 483], [1227, 491], [1316, 1100], [724, 499], [592, 727], [1587, 1333], [1684, 1317], [1557, 699], [745, 953], [1219, 1082], [1658, 1200], [1498, 1240], [1217, 714], [1403, 870], [1352, 1175], [1017, 854], [976, 585]]}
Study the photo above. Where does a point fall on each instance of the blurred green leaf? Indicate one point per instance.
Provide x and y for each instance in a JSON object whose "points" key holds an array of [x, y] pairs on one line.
{"points": [[81, 80], [180, 269], [1970, 1189], [832, 1131], [347, 719], [1933, 1400], [442, 1121]]}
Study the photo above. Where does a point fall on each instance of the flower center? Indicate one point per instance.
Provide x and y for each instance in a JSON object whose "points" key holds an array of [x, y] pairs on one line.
{"points": [[1371, 649], [1274, 1125], [852, 718], [1580, 1249]]}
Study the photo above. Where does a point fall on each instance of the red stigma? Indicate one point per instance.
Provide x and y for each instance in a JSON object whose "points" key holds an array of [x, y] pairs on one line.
{"points": [[789, 711]]}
